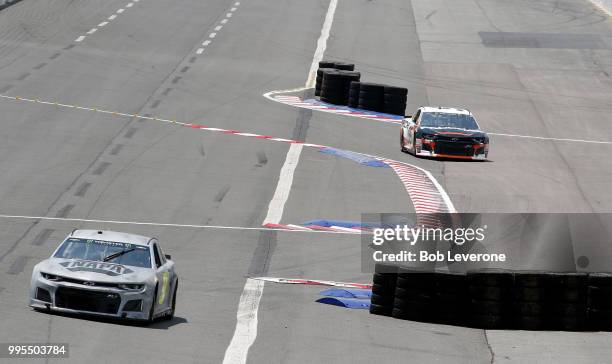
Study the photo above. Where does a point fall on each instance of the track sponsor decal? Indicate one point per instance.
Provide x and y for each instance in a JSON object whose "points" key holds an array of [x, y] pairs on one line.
{"points": [[97, 267]]}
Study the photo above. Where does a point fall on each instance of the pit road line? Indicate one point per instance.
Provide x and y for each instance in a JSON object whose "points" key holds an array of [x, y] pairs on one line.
{"points": [[246, 325]]}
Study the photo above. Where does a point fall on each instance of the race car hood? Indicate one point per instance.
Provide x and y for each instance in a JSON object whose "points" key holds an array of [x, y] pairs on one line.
{"points": [[452, 132], [95, 271]]}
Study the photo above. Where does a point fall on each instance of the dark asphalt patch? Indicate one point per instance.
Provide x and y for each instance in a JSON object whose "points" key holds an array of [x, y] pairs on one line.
{"points": [[116, 149], [130, 132], [221, 194], [40, 66], [260, 263], [42, 237], [5, 88], [82, 190], [166, 91], [18, 265], [64, 211], [262, 160], [542, 40], [176, 79], [69, 47], [101, 168], [24, 76], [302, 122], [155, 104], [184, 69], [55, 56]]}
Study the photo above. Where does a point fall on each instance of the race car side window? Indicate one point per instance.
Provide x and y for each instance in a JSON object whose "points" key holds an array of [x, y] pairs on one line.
{"points": [[158, 262]]}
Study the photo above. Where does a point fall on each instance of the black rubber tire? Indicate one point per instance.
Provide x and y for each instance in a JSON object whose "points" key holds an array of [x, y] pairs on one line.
{"points": [[568, 309], [489, 322], [530, 323], [150, 319], [482, 307], [326, 64], [489, 293], [531, 294], [569, 280], [402, 143], [372, 87], [170, 316], [395, 105], [491, 277], [355, 85], [382, 289], [412, 279], [600, 297], [380, 310], [383, 300], [386, 268], [568, 323], [530, 279], [382, 278], [421, 307], [569, 295], [600, 279], [530, 309], [393, 90], [413, 294], [409, 315], [394, 110], [344, 66], [395, 99], [452, 282]]}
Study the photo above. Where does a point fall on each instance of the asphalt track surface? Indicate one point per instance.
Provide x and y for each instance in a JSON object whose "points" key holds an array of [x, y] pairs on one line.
{"points": [[146, 60]]}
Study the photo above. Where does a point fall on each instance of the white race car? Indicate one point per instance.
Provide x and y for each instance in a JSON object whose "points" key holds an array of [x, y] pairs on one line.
{"points": [[109, 274], [444, 132]]}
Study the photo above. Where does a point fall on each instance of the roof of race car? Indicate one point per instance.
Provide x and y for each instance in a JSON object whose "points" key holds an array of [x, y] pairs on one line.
{"points": [[447, 110], [113, 236]]}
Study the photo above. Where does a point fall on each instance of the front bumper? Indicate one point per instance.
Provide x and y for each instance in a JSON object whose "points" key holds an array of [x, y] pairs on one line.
{"points": [[428, 148], [100, 301]]}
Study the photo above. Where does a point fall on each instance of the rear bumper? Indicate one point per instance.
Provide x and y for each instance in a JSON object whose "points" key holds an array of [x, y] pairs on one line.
{"points": [[426, 153]]}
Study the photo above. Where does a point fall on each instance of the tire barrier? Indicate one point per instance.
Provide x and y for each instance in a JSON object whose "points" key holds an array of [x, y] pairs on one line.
{"points": [[327, 66], [336, 84], [383, 289], [496, 299], [368, 96]]}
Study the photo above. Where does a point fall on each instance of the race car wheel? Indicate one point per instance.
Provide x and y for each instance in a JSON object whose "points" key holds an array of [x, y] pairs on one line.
{"points": [[152, 310], [402, 145], [170, 316]]}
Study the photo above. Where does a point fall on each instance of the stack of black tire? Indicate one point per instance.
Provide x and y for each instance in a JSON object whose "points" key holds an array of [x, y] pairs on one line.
{"points": [[383, 289], [430, 297], [336, 85], [327, 66], [395, 100], [490, 293], [496, 299], [600, 301]]}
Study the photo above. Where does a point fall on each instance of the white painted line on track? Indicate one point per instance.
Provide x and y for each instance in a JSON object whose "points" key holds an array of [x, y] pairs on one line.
{"points": [[233, 9], [285, 180], [200, 51], [246, 322], [206, 42], [228, 15], [218, 27], [224, 21], [112, 17], [103, 24], [129, 5], [212, 35], [161, 224], [246, 332], [93, 30], [80, 39], [120, 11]]}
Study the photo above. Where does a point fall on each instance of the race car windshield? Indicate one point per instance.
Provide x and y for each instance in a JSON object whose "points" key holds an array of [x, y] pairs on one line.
{"points": [[448, 120], [99, 250]]}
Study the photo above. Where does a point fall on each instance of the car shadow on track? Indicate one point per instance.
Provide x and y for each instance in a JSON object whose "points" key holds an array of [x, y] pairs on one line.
{"points": [[158, 324]]}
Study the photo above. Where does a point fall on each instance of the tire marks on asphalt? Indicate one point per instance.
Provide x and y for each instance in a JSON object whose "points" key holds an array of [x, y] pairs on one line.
{"points": [[101, 168], [42, 237], [18, 265], [116, 149], [64, 211], [82, 190]]}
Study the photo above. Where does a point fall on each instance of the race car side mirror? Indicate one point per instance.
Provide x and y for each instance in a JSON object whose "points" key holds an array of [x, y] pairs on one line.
{"points": [[168, 256]]}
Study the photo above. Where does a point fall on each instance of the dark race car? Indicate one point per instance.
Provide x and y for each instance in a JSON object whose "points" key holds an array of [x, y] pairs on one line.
{"points": [[444, 133]]}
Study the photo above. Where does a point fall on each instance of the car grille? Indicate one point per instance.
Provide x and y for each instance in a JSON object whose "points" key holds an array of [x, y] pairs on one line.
{"points": [[84, 300], [460, 147]]}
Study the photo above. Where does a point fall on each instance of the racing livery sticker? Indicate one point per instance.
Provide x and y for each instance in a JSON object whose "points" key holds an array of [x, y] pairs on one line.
{"points": [[98, 267]]}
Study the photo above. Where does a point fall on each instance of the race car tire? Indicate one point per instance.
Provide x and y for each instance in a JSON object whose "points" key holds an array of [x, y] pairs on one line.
{"points": [[170, 316], [151, 319], [402, 144]]}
